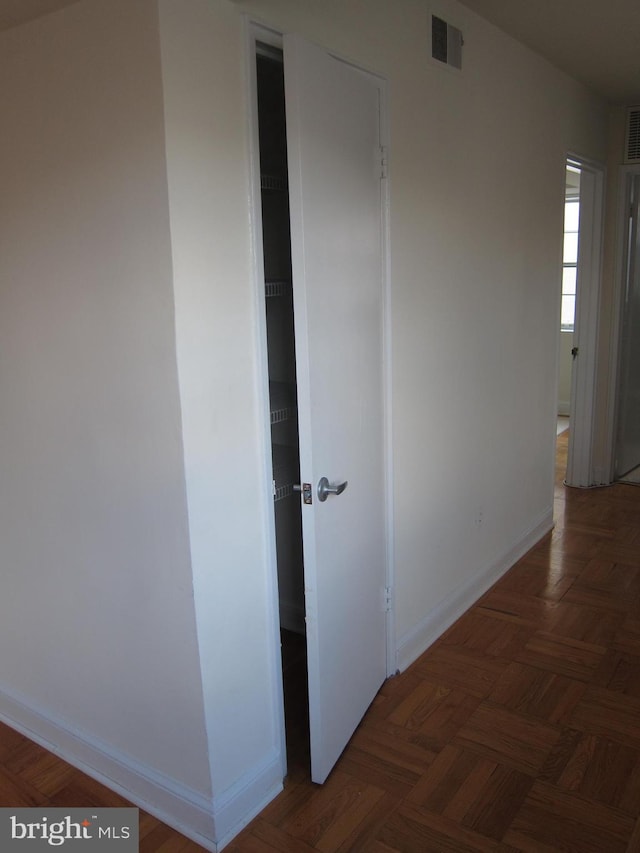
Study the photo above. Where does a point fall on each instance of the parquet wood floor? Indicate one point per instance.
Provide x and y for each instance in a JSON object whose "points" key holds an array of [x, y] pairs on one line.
{"points": [[519, 730]]}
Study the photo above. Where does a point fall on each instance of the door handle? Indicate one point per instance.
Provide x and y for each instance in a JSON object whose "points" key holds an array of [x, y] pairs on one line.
{"points": [[325, 489]]}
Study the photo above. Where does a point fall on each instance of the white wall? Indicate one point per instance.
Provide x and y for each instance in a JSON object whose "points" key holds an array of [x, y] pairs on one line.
{"points": [[94, 480], [477, 188], [604, 409], [97, 621], [229, 497]]}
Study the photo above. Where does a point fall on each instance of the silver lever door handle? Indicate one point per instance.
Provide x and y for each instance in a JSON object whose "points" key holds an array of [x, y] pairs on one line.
{"points": [[325, 489]]}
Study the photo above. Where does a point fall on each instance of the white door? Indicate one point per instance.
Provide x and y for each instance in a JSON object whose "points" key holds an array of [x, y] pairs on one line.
{"points": [[333, 139]]}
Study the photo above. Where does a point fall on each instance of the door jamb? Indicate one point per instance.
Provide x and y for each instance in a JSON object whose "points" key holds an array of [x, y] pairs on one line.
{"points": [[264, 479]]}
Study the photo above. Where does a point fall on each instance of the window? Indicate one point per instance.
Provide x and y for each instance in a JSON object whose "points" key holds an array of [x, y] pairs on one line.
{"points": [[570, 263]]}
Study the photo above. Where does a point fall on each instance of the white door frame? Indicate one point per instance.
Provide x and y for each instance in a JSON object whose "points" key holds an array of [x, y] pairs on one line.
{"points": [[257, 32], [625, 174], [580, 470], [264, 475]]}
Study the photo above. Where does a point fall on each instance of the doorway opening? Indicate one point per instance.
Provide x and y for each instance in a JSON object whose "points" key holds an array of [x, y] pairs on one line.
{"points": [[568, 351], [276, 242], [581, 277], [320, 248]]}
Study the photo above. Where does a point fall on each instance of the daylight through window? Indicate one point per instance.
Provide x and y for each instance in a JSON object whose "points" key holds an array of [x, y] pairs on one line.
{"points": [[570, 262]]}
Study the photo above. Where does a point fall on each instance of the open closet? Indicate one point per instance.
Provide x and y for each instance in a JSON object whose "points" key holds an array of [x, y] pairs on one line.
{"points": [[323, 167], [282, 394]]}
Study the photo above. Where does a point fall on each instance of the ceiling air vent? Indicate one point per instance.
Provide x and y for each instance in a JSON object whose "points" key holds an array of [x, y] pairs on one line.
{"points": [[446, 43], [632, 138]]}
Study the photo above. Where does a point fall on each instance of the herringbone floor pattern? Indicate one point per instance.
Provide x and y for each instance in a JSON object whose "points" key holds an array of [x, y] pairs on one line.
{"points": [[519, 730]]}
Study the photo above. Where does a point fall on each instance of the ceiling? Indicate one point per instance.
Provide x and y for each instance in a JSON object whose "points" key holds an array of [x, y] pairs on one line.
{"points": [[596, 41], [15, 12]]}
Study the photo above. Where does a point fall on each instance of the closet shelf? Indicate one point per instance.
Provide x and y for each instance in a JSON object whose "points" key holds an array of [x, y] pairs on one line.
{"points": [[276, 287], [284, 471], [280, 402], [273, 182]]}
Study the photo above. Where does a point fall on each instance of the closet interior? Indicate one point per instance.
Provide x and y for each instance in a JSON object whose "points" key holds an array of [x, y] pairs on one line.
{"points": [[282, 396]]}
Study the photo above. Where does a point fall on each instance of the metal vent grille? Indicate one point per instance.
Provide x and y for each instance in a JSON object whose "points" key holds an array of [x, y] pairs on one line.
{"points": [[632, 142], [438, 39], [446, 43]]}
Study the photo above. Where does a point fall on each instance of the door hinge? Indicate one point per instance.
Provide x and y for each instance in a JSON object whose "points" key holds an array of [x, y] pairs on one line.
{"points": [[384, 161], [388, 599]]}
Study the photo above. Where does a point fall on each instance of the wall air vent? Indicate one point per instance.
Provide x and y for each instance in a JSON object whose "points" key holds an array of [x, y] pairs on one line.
{"points": [[446, 43], [632, 136]]}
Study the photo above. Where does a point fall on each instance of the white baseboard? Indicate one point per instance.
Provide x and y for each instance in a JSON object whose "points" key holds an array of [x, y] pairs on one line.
{"points": [[235, 808], [185, 810], [564, 408], [210, 823], [213, 824], [436, 622], [602, 476]]}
